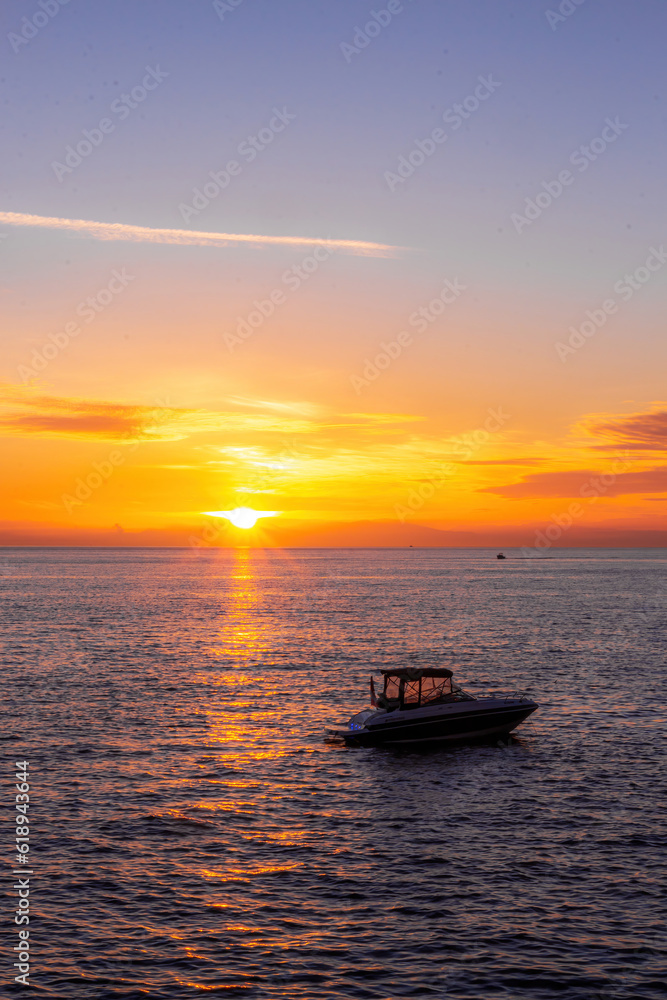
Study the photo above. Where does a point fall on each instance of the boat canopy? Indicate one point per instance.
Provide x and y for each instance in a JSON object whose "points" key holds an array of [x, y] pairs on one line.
{"points": [[411, 687]]}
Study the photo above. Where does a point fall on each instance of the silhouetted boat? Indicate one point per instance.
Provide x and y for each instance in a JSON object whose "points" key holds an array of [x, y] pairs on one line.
{"points": [[500, 556], [421, 704]]}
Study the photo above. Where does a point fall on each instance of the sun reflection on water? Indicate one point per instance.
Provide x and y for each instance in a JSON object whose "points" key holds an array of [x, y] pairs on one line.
{"points": [[243, 637]]}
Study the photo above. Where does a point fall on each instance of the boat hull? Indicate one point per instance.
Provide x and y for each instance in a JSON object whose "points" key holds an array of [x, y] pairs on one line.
{"points": [[461, 722]]}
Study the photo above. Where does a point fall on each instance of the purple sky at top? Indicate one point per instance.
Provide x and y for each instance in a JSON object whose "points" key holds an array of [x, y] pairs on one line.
{"points": [[556, 83], [325, 175]]}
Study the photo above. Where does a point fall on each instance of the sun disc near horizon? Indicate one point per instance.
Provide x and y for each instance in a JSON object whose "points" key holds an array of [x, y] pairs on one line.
{"points": [[242, 517]]}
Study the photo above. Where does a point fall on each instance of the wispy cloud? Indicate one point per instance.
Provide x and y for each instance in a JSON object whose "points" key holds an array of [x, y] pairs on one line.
{"points": [[25, 413], [187, 237], [302, 409], [569, 483], [498, 461], [637, 432], [55, 416]]}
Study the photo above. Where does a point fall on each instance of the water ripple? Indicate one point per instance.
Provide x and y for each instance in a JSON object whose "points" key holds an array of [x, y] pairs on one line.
{"points": [[193, 831]]}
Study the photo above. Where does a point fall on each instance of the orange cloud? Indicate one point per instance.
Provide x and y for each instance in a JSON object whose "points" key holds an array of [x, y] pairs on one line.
{"points": [[57, 416], [498, 461], [24, 413], [570, 483], [638, 432]]}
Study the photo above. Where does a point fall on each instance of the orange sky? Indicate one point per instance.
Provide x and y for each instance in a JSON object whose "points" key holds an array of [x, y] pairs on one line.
{"points": [[77, 466]]}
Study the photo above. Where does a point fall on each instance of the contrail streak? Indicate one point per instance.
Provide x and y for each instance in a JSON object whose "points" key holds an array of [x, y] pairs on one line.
{"points": [[187, 237]]}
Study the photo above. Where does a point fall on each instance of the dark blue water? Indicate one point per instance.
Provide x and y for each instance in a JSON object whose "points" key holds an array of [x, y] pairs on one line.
{"points": [[192, 833]]}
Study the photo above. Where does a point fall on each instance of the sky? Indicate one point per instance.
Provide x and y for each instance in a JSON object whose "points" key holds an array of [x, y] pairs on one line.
{"points": [[392, 273]]}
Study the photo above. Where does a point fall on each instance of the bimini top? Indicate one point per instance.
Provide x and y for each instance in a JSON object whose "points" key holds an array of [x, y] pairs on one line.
{"points": [[414, 673], [412, 687]]}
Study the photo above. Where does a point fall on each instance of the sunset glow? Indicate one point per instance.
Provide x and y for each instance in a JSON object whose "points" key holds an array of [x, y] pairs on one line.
{"points": [[242, 517]]}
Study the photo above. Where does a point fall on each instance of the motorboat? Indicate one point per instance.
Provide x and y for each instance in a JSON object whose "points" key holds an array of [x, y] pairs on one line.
{"points": [[501, 556], [422, 704]]}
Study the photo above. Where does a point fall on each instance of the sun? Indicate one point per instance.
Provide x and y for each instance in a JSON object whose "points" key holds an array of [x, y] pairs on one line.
{"points": [[242, 517]]}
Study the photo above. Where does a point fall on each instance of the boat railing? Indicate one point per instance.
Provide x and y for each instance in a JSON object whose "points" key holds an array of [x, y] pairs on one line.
{"points": [[515, 696]]}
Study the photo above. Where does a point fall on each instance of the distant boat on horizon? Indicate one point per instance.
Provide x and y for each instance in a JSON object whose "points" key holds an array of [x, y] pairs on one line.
{"points": [[500, 556]]}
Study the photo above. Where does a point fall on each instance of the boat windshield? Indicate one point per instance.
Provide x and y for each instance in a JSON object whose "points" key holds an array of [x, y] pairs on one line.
{"points": [[434, 688]]}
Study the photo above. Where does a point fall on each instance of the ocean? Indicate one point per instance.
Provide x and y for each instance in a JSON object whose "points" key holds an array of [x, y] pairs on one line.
{"points": [[193, 832]]}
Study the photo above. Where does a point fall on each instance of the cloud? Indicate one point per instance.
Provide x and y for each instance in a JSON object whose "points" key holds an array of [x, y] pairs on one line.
{"points": [[498, 461], [55, 416], [637, 432], [187, 237], [303, 409], [25, 413], [374, 422], [359, 450], [570, 483]]}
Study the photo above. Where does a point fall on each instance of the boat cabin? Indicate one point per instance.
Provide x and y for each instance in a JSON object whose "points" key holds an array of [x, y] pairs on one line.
{"points": [[414, 687]]}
